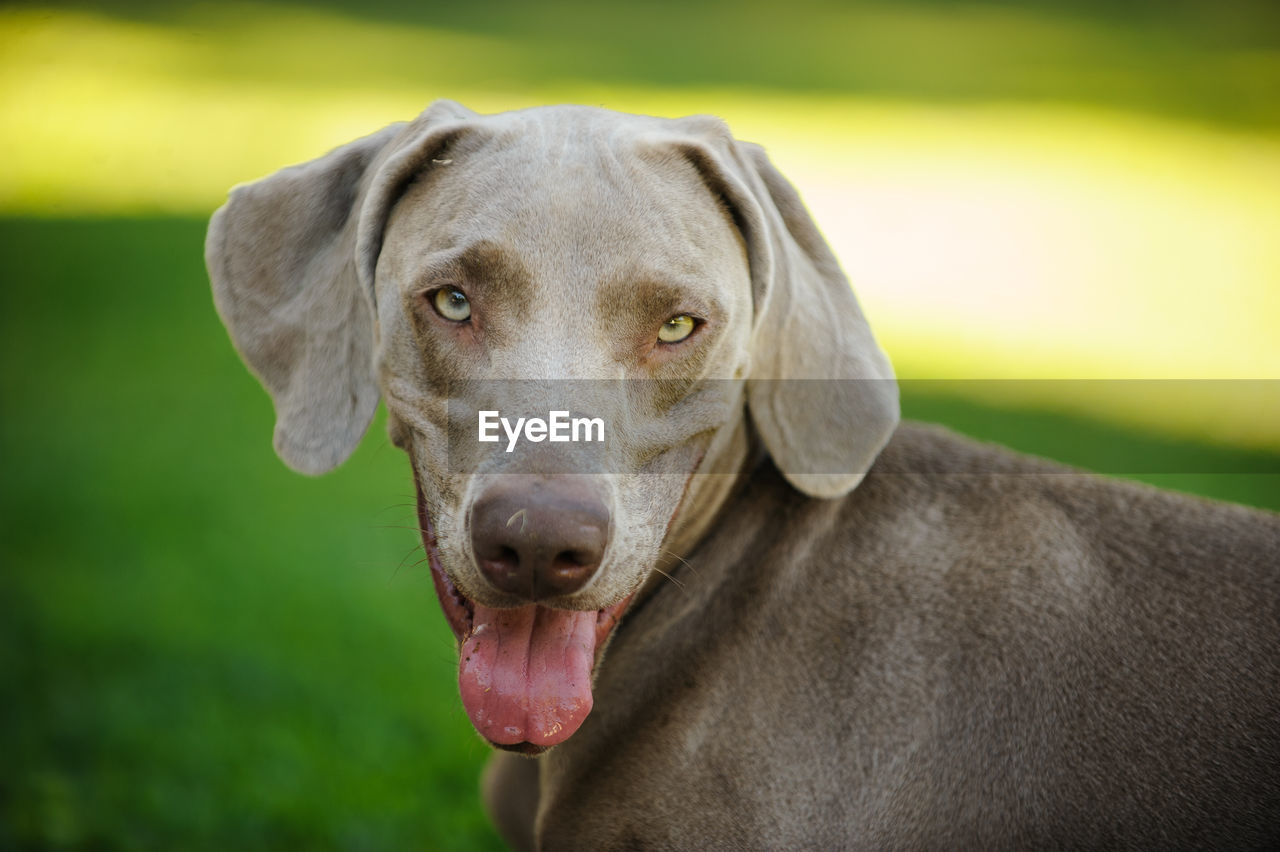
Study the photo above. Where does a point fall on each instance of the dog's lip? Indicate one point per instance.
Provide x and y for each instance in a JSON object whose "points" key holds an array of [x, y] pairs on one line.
{"points": [[459, 610]]}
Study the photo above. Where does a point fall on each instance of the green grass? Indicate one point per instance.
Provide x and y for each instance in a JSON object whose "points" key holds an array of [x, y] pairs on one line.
{"points": [[1212, 62], [202, 650]]}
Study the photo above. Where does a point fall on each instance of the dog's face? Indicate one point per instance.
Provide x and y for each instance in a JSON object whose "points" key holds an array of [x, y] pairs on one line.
{"points": [[626, 274], [527, 273]]}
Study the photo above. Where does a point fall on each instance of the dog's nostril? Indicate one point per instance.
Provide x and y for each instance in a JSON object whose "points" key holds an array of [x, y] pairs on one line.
{"points": [[568, 572], [502, 567]]}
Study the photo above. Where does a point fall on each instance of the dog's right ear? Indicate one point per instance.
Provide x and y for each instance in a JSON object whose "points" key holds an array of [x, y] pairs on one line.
{"points": [[821, 391], [291, 258]]}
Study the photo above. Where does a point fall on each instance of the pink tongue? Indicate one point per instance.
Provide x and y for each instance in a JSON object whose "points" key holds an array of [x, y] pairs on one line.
{"points": [[525, 674]]}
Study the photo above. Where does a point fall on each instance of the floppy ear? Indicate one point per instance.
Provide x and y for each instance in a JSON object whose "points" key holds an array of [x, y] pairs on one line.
{"points": [[281, 256], [291, 259], [821, 392]]}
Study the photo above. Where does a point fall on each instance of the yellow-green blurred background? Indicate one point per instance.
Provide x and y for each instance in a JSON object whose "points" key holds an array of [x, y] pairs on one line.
{"points": [[201, 649]]}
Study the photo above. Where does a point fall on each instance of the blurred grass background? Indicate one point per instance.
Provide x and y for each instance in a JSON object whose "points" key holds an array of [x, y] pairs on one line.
{"points": [[201, 650]]}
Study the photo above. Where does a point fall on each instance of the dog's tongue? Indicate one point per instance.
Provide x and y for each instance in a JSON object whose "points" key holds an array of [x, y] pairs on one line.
{"points": [[525, 674]]}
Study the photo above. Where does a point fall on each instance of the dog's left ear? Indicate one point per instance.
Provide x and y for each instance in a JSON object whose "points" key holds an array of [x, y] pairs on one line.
{"points": [[821, 392], [292, 258]]}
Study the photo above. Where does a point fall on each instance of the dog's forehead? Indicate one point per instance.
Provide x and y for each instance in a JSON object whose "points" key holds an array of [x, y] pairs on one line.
{"points": [[569, 190], [571, 134]]}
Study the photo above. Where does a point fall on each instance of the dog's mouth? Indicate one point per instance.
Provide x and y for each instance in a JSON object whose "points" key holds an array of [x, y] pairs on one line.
{"points": [[524, 672]]}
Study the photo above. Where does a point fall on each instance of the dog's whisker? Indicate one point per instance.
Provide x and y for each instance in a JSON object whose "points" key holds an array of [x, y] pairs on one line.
{"points": [[414, 528], [408, 553], [391, 506], [675, 555], [679, 585], [685, 562], [419, 562]]}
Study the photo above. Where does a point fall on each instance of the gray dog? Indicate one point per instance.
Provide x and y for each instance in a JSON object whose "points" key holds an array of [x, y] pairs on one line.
{"points": [[879, 635]]}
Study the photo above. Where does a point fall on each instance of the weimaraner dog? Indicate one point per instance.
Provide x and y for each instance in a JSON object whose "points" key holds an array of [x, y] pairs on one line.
{"points": [[742, 607]]}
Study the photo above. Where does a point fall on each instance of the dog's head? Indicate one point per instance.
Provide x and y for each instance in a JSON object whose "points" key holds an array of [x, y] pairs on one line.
{"points": [[629, 286]]}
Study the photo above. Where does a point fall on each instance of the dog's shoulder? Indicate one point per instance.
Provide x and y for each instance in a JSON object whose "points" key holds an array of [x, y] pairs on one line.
{"points": [[936, 500]]}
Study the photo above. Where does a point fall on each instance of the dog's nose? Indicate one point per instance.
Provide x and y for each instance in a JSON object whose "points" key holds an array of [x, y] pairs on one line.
{"points": [[539, 538]]}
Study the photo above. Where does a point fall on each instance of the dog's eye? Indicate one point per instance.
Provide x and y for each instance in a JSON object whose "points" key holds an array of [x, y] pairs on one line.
{"points": [[677, 328], [452, 304]]}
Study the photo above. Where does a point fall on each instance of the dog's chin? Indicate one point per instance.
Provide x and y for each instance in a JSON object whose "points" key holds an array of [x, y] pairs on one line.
{"points": [[525, 673]]}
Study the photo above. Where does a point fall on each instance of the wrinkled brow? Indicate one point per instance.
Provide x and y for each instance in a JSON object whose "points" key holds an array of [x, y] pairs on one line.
{"points": [[653, 299], [485, 269]]}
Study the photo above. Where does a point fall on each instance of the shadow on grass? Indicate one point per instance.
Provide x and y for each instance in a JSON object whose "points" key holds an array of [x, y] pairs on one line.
{"points": [[201, 650]]}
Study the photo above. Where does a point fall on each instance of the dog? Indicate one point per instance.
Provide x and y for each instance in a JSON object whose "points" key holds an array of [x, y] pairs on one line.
{"points": [[760, 612]]}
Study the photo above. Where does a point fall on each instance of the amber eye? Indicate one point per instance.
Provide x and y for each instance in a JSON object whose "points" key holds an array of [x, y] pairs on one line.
{"points": [[452, 304], [677, 328]]}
